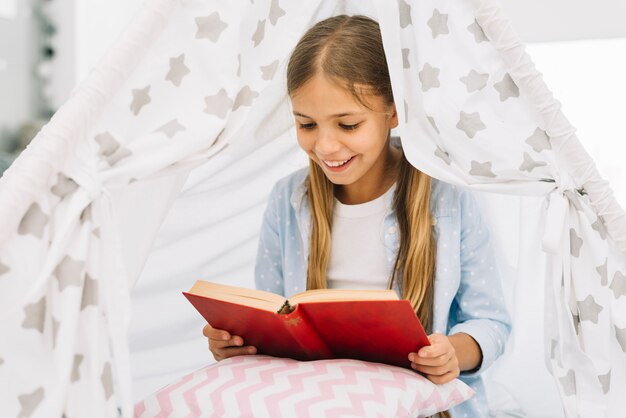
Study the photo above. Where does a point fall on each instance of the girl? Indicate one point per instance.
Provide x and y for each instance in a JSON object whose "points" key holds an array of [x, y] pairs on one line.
{"points": [[362, 217]]}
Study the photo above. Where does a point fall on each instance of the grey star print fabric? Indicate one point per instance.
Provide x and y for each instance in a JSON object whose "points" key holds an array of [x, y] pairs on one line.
{"points": [[201, 84]]}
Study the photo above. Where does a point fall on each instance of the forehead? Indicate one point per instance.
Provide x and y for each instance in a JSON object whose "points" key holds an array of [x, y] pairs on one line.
{"points": [[322, 96]]}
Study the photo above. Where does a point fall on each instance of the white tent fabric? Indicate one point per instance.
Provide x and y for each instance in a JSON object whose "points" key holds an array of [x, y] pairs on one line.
{"points": [[201, 83]]}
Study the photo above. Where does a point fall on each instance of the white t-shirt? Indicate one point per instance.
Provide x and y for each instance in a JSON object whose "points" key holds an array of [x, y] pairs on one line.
{"points": [[358, 255]]}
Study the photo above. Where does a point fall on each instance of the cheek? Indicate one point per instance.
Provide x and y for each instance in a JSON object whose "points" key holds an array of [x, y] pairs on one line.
{"points": [[305, 141]]}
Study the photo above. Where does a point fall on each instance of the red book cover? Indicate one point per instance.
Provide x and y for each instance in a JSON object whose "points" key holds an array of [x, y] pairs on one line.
{"points": [[383, 331]]}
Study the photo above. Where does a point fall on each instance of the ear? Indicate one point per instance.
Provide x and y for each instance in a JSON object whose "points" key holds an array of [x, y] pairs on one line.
{"points": [[393, 121]]}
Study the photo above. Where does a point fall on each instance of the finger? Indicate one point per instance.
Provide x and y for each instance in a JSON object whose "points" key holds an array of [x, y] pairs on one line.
{"points": [[227, 352], [433, 338], [234, 341], [215, 334], [440, 380], [432, 370], [432, 361], [434, 350]]}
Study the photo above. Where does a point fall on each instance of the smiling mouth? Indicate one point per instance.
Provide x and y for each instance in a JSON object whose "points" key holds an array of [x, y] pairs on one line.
{"points": [[337, 164]]}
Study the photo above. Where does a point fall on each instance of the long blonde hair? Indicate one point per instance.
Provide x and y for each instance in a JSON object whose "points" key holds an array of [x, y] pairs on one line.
{"points": [[349, 50]]}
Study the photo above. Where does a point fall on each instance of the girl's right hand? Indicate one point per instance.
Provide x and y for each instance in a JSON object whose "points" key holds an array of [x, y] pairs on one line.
{"points": [[223, 345]]}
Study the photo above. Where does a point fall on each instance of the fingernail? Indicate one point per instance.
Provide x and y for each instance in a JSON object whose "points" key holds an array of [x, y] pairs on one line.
{"points": [[411, 357], [225, 336], [251, 350]]}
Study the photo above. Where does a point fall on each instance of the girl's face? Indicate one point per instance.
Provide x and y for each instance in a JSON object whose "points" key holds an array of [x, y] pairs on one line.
{"points": [[346, 139]]}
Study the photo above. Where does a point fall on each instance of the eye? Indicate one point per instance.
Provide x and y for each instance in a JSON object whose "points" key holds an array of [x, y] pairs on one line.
{"points": [[307, 125], [348, 127]]}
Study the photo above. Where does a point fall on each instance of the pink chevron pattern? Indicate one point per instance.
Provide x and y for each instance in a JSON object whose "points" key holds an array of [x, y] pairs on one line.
{"points": [[263, 386]]}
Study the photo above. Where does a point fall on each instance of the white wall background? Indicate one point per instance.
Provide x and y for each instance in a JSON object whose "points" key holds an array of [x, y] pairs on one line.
{"points": [[560, 20], [588, 78], [16, 52]]}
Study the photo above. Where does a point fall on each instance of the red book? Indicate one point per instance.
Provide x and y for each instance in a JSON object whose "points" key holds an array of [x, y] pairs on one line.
{"points": [[371, 325]]}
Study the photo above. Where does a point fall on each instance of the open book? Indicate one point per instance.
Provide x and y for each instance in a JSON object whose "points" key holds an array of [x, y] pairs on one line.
{"points": [[371, 325]]}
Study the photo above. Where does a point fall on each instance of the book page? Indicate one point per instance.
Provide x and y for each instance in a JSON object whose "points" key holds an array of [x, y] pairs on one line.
{"points": [[329, 295], [250, 297]]}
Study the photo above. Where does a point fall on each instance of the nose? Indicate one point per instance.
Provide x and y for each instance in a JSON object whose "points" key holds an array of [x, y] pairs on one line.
{"points": [[326, 143]]}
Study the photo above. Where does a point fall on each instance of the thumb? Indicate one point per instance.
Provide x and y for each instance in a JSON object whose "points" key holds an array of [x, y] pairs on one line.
{"points": [[435, 338]]}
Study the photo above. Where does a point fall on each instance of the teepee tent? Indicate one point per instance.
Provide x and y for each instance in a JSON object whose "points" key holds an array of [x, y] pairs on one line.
{"points": [[193, 96]]}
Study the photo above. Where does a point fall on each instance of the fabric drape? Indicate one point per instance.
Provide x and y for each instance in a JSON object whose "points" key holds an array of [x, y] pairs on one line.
{"points": [[201, 83]]}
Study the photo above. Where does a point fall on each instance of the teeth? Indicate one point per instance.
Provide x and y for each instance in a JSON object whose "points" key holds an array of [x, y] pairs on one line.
{"points": [[336, 163]]}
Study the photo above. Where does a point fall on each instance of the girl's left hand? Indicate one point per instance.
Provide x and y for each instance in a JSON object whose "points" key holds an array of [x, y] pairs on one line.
{"points": [[437, 362]]}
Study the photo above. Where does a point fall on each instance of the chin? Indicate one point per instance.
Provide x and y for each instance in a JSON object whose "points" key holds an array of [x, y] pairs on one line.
{"points": [[338, 180]]}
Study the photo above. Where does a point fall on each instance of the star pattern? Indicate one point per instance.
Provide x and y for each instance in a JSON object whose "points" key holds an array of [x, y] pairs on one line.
{"points": [[404, 9], [539, 140], [268, 71], [4, 269], [443, 155], [35, 315], [86, 215], [429, 77], [477, 31], [507, 88], [568, 383], [64, 186], [55, 331], [178, 70], [598, 225], [78, 359], [29, 402], [259, 34], [529, 164], [589, 309], [69, 272], [475, 81], [108, 144], [34, 222], [620, 335], [605, 381], [118, 155], [432, 122], [210, 27], [90, 293], [275, 12], [575, 242], [107, 380], [481, 169], [245, 97], [602, 271], [141, 97], [438, 24], [470, 123], [171, 128], [405, 58], [618, 285], [576, 321], [218, 104], [553, 348]]}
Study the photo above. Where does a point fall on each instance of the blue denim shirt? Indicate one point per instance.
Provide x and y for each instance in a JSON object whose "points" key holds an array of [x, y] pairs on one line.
{"points": [[467, 294]]}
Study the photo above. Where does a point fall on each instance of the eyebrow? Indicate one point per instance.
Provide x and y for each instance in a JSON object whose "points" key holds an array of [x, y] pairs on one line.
{"points": [[337, 115]]}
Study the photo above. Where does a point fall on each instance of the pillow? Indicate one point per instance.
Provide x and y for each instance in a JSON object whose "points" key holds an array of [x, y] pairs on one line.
{"points": [[271, 387]]}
